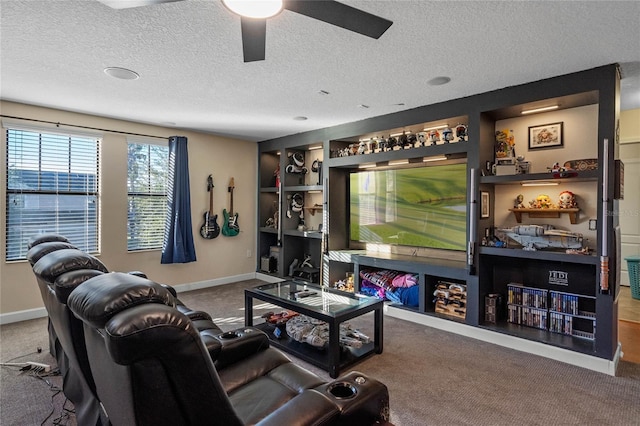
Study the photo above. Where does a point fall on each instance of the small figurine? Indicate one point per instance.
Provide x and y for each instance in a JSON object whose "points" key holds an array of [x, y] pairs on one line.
{"points": [[434, 136], [403, 141], [567, 200], [542, 201], [461, 132], [392, 142], [556, 168], [412, 139], [561, 172], [447, 135], [362, 147], [372, 144], [422, 140], [519, 204], [522, 167]]}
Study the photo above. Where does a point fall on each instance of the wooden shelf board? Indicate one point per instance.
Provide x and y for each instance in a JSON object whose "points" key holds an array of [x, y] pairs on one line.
{"points": [[546, 213]]}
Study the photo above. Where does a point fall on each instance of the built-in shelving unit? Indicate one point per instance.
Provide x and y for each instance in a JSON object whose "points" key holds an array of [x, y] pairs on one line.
{"points": [[587, 107], [289, 196]]}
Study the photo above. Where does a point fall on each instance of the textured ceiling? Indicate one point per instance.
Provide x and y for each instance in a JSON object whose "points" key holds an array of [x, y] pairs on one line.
{"points": [[189, 57]]}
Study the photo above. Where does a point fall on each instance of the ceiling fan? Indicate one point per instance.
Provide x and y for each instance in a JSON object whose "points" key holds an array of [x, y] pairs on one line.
{"points": [[254, 24]]}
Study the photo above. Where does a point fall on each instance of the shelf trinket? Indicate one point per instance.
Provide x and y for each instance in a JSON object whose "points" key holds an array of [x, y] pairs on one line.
{"points": [[567, 200]]}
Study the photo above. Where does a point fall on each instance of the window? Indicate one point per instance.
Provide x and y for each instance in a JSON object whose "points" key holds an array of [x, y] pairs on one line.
{"points": [[147, 195], [52, 186]]}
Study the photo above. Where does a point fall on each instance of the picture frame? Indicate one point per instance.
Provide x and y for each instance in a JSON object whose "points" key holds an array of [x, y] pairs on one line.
{"points": [[546, 136], [484, 204]]}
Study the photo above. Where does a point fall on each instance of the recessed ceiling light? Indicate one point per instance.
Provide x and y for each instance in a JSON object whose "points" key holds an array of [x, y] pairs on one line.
{"points": [[254, 8], [121, 73], [438, 81], [300, 118]]}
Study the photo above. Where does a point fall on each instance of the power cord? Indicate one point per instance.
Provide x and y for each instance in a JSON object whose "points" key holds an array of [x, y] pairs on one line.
{"points": [[42, 371]]}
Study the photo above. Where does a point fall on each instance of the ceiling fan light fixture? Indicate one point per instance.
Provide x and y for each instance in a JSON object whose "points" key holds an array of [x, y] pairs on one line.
{"points": [[258, 9]]}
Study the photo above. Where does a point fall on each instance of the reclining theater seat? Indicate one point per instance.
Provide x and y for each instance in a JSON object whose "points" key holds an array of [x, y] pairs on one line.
{"points": [[61, 267], [39, 246], [151, 367], [71, 267]]}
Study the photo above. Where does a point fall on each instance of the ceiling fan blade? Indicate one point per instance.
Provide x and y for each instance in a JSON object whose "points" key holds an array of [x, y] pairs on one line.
{"points": [[126, 4], [341, 15], [254, 34]]}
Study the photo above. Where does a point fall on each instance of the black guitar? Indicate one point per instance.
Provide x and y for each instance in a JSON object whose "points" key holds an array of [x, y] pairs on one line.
{"points": [[210, 228], [230, 227]]}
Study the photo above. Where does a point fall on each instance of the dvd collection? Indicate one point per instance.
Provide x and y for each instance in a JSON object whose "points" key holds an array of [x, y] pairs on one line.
{"points": [[549, 310]]}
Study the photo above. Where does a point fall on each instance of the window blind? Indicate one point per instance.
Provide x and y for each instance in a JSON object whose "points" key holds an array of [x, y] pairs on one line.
{"points": [[52, 186], [147, 195]]}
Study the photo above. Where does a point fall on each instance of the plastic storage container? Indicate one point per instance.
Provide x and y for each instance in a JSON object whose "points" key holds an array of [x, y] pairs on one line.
{"points": [[633, 266]]}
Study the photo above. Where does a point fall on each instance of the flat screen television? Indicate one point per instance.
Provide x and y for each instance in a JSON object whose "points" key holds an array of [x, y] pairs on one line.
{"points": [[420, 207]]}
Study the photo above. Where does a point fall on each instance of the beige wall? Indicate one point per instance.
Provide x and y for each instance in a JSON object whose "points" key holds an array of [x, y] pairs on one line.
{"points": [[218, 259]]}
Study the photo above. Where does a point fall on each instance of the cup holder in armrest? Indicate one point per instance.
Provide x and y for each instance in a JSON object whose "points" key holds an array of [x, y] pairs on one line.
{"points": [[229, 335], [342, 390]]}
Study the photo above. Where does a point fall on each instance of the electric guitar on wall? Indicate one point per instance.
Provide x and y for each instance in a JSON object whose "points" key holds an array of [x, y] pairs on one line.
{"points": [[230, 227], [210, 229]]}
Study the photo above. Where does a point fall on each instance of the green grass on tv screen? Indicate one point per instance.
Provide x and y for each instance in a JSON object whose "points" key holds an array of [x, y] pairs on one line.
{"points": [[421, 207]]}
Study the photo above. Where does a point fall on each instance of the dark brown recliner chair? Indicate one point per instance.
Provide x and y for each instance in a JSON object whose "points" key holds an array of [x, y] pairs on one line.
{"points": [[152, 368]]}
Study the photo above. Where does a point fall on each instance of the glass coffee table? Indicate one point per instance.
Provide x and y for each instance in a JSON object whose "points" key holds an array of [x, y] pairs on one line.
{"points": [[321, 303]]}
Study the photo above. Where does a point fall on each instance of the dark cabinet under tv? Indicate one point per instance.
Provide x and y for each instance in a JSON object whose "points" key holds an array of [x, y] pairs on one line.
{"points": [[587, 107]]}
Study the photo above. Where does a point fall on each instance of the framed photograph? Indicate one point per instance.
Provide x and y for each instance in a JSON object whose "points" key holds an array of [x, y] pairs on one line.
{"points": [[545, 136], [484, 204]]}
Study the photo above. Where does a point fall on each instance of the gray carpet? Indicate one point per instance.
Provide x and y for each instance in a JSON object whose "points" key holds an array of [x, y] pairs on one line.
{"points": [[434, 377]]}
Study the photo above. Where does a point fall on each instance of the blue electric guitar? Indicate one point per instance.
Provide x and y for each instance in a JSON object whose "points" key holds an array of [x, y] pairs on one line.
{"points": [[230, 227], [210, 229]]}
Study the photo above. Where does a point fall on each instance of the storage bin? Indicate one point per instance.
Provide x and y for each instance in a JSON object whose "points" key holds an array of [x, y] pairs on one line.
{"points": [[633, 266]]}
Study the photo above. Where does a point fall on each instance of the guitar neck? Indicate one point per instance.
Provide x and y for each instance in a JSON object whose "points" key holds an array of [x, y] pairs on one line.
{"points": [[210, 201], [231, 186]]}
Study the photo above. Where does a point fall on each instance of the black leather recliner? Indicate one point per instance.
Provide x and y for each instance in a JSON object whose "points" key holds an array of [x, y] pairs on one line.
{"points": [[71, 267], [58, 270], [39, 246], [151, 367]]}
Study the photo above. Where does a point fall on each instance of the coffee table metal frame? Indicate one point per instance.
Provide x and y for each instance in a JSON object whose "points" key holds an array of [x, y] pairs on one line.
{"points": [[328, 305]]}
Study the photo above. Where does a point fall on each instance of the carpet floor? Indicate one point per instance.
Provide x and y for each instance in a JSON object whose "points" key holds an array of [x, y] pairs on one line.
{"points": [[434, 377]]}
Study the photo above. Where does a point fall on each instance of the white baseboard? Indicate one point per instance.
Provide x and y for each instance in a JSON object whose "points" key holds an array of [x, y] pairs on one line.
{"points": [[30, 314], [25, 315], [180, 288], [268, 278], [537, 348]]}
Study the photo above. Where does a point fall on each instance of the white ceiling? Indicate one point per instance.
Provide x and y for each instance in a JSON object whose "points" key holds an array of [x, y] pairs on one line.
{"points": [[189, 57]]}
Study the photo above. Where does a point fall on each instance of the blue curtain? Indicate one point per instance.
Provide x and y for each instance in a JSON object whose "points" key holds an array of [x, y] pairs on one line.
{"points": [[178, 245]]}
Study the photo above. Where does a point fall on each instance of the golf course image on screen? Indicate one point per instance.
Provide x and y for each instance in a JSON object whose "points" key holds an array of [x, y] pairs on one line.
{"points": [[421, 207]]}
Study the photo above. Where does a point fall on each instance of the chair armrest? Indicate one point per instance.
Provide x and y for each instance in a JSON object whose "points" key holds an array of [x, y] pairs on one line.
{"points": [[361, 399], [239, 344]]}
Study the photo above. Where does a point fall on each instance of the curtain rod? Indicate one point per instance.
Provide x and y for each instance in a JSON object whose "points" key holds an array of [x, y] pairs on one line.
{"points": [[58, 124]]}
